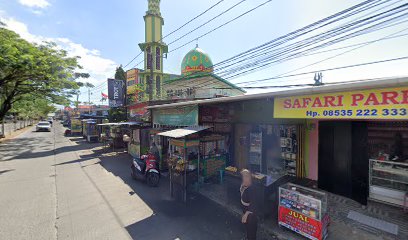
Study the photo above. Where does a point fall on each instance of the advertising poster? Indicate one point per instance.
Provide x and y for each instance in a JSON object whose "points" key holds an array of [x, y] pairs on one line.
{"points": [[181, 116], [388, 103], [116, 93], [301, 224]]}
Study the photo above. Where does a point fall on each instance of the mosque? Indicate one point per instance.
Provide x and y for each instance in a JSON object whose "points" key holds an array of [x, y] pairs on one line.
{"points": [[195, 81]]}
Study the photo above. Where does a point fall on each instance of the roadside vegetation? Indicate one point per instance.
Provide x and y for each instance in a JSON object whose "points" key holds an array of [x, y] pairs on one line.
{"points": [[35, 77]]}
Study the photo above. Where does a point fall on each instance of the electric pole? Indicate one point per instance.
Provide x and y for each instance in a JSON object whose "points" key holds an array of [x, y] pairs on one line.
{"points": [[89, 100]]}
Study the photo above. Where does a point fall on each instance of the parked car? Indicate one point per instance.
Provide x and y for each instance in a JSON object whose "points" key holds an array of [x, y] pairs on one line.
{"points": [[43, 126], [50, 120]]}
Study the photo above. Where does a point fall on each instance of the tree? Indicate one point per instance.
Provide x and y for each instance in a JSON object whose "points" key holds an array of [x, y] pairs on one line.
{"points": [[120, 73], [40, 70], [117, 115], [31, 107]]}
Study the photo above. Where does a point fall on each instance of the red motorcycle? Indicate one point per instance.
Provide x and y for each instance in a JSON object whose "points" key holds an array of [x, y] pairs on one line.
{"points": [[146, 169]]}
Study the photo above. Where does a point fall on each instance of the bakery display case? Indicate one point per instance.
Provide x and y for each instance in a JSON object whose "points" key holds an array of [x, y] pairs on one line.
{"points": [[388, 181], [303, 210]]}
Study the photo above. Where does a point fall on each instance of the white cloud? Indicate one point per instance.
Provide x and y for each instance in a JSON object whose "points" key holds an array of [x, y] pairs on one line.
{"points": [[35, 3], [98, 67], [37, 12]]}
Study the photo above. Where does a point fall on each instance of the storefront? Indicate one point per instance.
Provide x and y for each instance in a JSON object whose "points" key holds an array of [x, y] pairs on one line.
{"points": [[239, 137], [184, 159], [165, 119], [360, 140]]}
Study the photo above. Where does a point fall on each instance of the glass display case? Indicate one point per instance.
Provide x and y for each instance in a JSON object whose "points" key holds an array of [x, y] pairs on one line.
{"points": [[388, 181], [303, 210]]}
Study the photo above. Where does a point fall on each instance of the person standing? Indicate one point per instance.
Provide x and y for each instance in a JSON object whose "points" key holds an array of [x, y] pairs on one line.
{"points": [[248, 196]]}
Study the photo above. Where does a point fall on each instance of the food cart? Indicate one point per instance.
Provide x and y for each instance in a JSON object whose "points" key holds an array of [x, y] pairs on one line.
{"points": [[184, 158], [76, 127], [91, 130], [132, 135], [304, 211]]}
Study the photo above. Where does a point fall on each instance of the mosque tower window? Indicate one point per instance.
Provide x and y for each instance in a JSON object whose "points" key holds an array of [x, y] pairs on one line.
{"points": [[149, 57], [147, 84], [158, 85], [158, 58]]}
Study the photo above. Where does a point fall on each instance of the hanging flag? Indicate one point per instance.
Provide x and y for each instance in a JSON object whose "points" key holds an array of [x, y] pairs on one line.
{"points": [[105, 96]]}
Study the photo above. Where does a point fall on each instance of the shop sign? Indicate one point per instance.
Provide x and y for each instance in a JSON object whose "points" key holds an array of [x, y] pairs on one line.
{"points": [[76, 126], [139, 112], [181, 116], [301, 224], [389, 103], [181, 93]]}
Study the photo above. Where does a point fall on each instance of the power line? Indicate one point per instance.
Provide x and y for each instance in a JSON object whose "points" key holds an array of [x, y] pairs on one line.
{"points": [[205, 83], [185, 24], [330, 69], [284, 54], [340, 54], [133, 59], [365, 4], [222, 25], [212, 19], [311, 27]]}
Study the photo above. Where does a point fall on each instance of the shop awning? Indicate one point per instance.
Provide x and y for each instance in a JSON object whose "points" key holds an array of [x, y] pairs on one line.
{"points": [[108, 124], [131, 123], [182, 132]]}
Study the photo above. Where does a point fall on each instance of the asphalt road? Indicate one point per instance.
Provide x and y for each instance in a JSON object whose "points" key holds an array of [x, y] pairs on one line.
{"points": [[53, 187]]}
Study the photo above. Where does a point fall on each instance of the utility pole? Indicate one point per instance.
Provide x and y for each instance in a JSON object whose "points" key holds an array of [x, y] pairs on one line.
{"points": [[89, 100]]}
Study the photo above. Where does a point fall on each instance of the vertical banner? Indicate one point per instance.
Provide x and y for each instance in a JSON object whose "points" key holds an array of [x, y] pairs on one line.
{"points": [[116, 92]]}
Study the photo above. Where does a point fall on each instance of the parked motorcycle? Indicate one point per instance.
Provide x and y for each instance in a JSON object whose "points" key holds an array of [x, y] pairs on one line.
{"points": [[146, 169]]}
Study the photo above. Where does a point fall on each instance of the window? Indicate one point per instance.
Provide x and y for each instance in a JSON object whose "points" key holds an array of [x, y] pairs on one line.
{"points": [[149, 57], [158, 85], [158, 58], [147, 84]]}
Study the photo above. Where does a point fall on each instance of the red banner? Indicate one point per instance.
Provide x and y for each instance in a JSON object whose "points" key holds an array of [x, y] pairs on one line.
{"points": [[302, 224]]}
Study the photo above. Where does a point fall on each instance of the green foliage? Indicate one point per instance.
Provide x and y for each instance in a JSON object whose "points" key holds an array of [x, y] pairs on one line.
{"points": [[37, 72], [31, 107], [133, 92], [120, 73], [117, 115]]}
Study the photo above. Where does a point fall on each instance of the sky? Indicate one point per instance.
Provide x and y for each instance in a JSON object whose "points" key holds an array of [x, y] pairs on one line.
{"points": [[106, 34]]}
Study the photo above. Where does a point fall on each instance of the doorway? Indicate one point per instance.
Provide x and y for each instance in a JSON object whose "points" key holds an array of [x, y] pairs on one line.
{"points": [[343, 160]]}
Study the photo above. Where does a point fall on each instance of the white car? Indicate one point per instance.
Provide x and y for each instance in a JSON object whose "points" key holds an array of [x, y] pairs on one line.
{"points": [[43, 126]]}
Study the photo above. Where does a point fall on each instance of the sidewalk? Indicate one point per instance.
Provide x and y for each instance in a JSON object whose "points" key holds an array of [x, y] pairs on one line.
{"points": [[340, 228], [153, 214]]}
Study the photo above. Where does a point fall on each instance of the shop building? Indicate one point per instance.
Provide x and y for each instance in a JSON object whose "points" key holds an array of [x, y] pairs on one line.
{"points": [[360, 138], [350, 139]]}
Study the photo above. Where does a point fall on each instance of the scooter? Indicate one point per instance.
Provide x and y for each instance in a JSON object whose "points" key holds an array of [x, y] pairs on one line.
{"points": [[146, 169]]}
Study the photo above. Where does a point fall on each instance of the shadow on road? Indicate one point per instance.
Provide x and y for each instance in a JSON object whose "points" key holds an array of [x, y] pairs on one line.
{"points": [[6, 171], [198, 219]]}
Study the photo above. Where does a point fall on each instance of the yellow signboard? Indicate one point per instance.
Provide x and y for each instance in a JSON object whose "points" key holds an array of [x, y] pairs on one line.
{"points": [[389, 103]]}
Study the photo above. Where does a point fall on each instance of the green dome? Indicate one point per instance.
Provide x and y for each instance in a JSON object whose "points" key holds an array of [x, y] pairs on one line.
{"points": [[196, 61]]}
